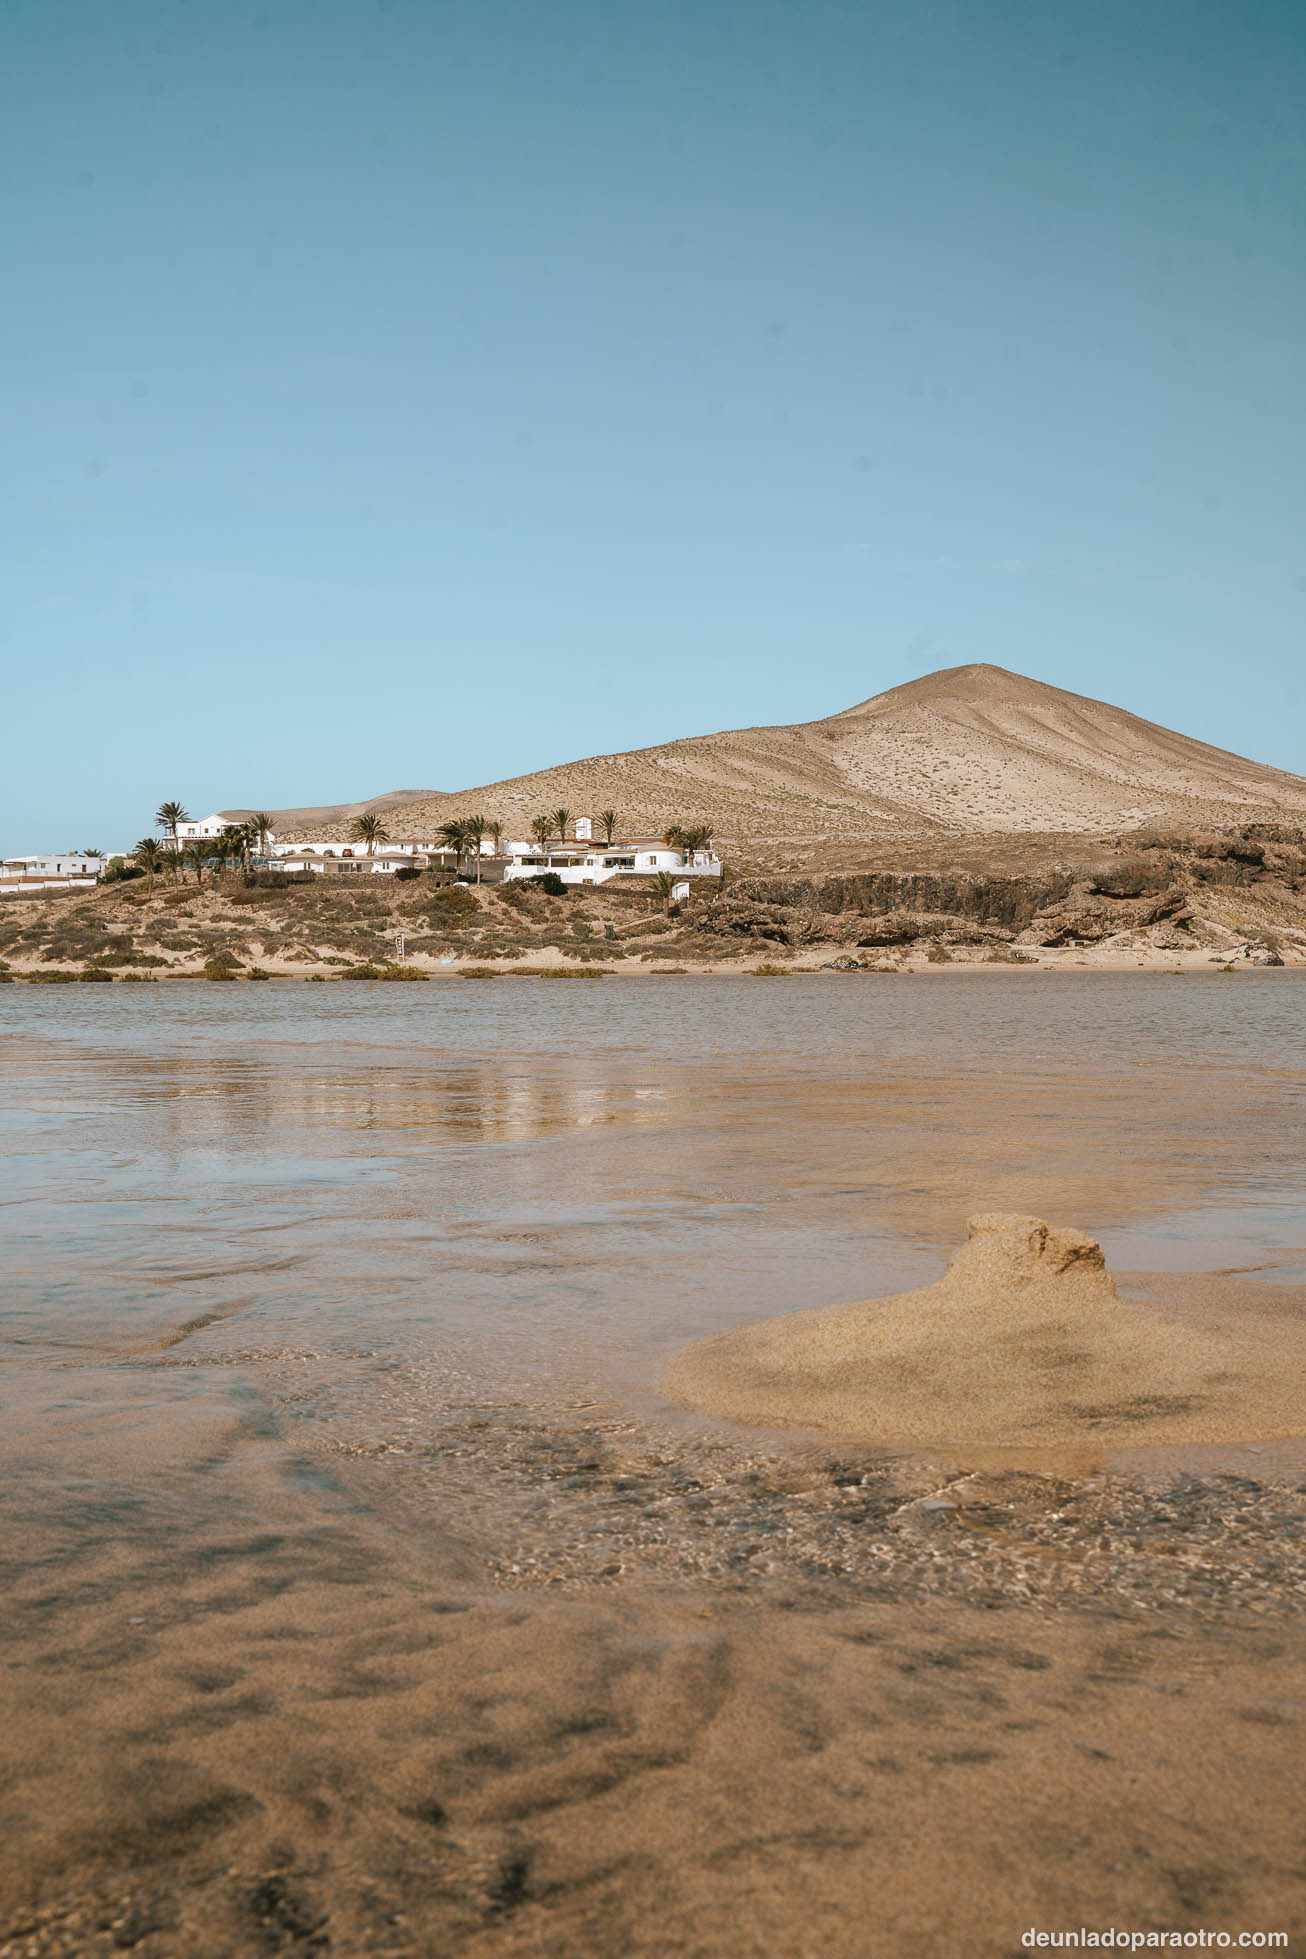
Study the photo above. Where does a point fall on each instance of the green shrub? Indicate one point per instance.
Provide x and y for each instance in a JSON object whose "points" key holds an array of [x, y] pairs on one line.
{"points": [[258, 973], [566, 972], [220, 967], [113, 954], [6, 979], [95, 973], [532, 972], [768, 970], [548, 881], [139, 979], [407, 872], [52, 979], [938, 955], [404, 973], [452, 898], [314, 979]]}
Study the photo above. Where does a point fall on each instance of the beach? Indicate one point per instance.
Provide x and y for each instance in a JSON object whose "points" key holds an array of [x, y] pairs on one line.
{"points": [[365, 1594]]}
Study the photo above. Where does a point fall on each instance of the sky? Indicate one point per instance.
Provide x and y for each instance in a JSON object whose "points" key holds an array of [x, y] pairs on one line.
{"points": [[409, 395]]}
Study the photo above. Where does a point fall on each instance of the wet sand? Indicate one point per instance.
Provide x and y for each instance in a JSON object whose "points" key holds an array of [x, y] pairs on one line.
{"points": [[363, 1597], [1023, 1342]]}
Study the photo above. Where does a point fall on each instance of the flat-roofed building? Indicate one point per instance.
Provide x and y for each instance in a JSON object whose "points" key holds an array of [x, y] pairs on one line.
{"points": [[59, 870]]}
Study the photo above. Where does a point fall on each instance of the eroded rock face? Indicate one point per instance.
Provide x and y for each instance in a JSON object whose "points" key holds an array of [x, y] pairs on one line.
{"points": [[905, 928], [1087, 915]]}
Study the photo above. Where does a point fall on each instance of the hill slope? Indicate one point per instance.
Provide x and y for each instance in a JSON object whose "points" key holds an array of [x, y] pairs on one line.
{"points": [[965, 752]]}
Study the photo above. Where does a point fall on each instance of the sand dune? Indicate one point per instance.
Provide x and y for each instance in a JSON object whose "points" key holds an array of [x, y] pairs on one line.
{"points": [[968, 751], [1024, 1340]]}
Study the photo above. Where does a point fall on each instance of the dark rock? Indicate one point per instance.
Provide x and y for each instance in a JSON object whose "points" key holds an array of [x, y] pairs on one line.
{"points": [[1087, 916]]}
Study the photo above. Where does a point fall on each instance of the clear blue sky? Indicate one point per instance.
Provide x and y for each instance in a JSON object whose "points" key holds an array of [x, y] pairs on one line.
{"points": [[411, 394]]}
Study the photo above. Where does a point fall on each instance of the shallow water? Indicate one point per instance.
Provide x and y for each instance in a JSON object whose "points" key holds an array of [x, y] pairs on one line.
{"points": [[562, 1180], [357, 1581]]}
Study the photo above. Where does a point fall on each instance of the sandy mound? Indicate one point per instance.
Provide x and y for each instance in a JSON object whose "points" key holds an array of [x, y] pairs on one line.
{"points": [[972, 750], [1023, 1341]]}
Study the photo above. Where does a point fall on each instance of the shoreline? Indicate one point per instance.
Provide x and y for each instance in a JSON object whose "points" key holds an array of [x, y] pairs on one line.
{"points": [[1168, 968], [827, 961]]}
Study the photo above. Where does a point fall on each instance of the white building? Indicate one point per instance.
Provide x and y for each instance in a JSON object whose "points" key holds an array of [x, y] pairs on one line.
{"points": [[584, 862], [331, 858], [201, 826], [67, 870], [207, 826]]}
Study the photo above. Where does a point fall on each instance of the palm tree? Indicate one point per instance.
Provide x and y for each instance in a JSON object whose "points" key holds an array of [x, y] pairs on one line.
{"points": [[230, 844], [196, 856], [494, 831], [608, 818], [89, 852], [560, 819], [261, 824], [663, 882], [476, 828], [542, 830], [149, 857], [688, 840], [168, 816], [369, 829], [453, 836]]}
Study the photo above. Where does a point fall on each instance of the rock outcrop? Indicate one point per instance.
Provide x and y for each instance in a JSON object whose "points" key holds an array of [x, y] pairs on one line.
{"points": [[1088, 913]]}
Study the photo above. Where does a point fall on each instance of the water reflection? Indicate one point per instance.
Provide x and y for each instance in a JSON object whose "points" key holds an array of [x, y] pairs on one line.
{"points": [[551, 1194]]}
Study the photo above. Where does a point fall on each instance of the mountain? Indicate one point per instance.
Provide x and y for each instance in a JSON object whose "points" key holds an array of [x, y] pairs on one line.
{"points": [[965, 752], [333, 818]]}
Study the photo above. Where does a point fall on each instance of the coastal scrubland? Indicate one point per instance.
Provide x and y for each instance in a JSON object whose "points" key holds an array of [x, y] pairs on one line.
{"points": [[1206, 898]]}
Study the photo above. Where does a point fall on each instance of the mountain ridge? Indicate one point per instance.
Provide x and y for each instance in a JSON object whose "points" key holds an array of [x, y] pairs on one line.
{"points": [[964, 752]]}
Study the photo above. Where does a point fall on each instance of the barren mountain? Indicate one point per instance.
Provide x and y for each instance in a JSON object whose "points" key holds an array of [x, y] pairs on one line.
{"points": [[329, 818], [962, 753]]}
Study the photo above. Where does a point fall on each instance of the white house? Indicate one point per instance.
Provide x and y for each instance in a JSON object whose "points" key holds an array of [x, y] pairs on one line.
{"points": [[208, 826], [67, 870], [332, 858], [584, 862], [202, 826]]}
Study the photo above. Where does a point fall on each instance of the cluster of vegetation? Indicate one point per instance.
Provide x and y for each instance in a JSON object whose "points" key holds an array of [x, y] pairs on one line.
{"points": [[390, 971], [532, 972]]}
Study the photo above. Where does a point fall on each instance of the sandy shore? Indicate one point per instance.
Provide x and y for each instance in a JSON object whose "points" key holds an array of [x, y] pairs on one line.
{"points": [[765, 964], [747, 1698], [362, 1597]]}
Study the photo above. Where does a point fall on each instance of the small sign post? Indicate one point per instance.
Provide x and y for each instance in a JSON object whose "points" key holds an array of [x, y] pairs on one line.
{"points": [[399, 946]]}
